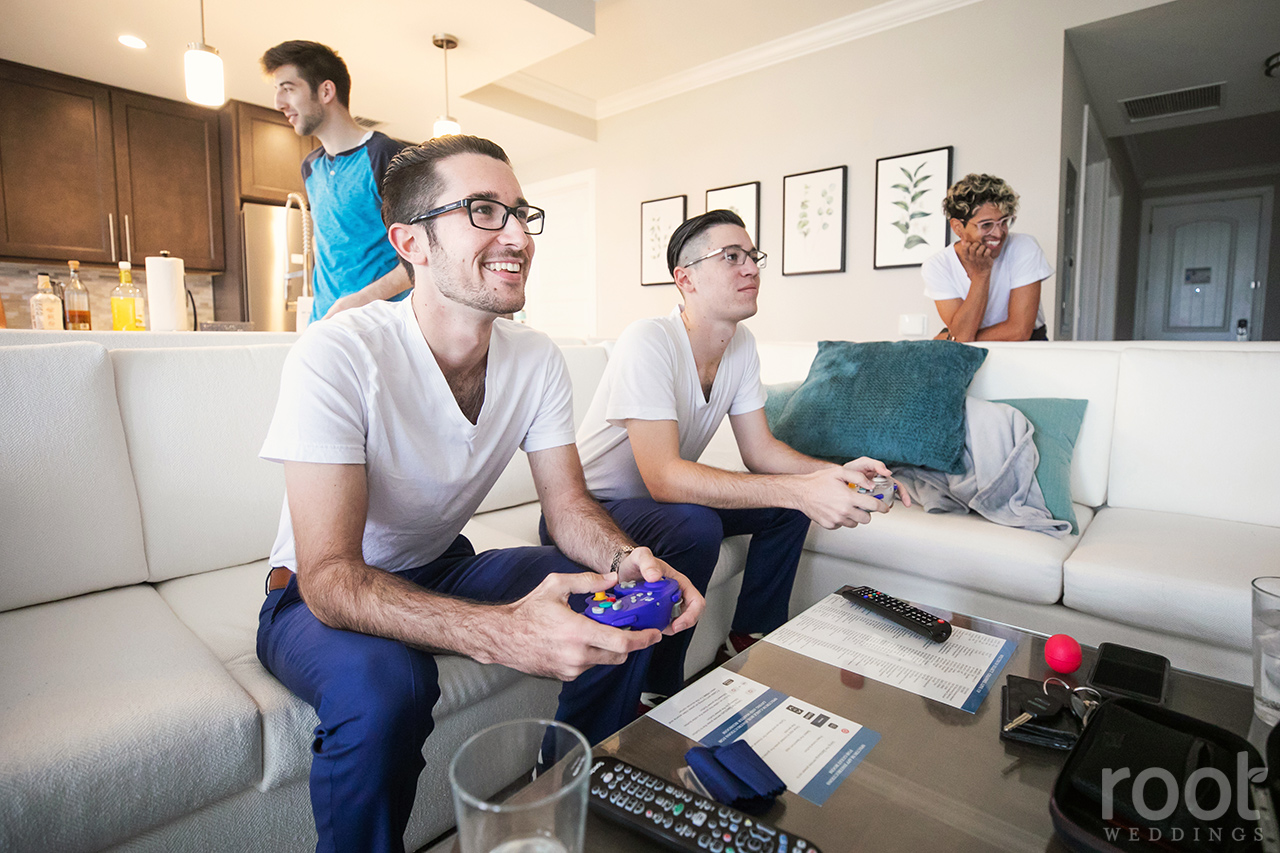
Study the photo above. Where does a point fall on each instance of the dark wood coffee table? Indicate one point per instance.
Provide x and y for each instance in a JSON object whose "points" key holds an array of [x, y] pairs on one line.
{"points": [[939, 779]]}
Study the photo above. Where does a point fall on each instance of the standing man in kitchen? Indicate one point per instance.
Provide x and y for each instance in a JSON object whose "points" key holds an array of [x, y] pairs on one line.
{"points": [[354, 262]]}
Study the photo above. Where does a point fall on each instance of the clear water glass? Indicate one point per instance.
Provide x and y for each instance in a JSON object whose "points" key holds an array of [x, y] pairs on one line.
{"points": [[521, 787], [1266, 649]]}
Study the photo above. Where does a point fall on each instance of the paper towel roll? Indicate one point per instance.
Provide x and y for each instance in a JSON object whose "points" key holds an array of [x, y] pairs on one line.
{"points": [[166, 294]]}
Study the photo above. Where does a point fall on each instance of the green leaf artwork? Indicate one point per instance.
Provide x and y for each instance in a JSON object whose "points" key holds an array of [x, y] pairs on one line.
{"points": [[912, 205], [821, 213]]}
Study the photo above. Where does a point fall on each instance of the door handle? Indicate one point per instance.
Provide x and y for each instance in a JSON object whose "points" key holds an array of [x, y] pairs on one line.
{"points": [[111, 226], [128, 240]]}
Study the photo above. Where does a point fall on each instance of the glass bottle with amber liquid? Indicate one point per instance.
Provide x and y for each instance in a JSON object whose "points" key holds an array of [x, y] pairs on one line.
{"points": [[75, 300], [46, 307], [128, 306]]}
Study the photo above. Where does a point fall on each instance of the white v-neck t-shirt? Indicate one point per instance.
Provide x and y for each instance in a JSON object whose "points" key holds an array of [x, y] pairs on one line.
{"points": [[364, 388], [652, 376], [1020, 263]]}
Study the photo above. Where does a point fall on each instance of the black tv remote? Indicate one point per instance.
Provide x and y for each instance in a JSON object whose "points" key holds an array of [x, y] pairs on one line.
{"points": [[896, 610], [678, 818]]}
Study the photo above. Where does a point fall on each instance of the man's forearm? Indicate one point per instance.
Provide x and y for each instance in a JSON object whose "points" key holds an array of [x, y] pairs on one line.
{"points": [[392, 284], [357, 597], [695, 483], [968, 317], [584, 532]]}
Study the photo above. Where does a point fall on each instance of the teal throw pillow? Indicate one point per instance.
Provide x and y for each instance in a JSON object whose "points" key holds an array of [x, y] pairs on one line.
{"points": [[1057, 424], [901, 402], [776, 400]]}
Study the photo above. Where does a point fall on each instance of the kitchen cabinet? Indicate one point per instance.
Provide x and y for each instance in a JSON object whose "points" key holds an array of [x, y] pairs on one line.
{"points": [[57, 167], [270, 153], [102, 174], [262, 163]]}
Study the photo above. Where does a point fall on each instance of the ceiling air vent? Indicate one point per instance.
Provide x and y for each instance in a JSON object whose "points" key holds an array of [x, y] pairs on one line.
{"points": [[1179, 102], [368, 123]]}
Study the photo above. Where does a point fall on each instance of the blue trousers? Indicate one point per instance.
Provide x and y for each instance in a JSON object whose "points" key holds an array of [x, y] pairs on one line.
{"points": [[688, 537], [374, 696]]}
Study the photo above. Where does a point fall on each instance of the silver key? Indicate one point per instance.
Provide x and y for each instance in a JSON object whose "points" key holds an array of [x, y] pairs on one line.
{"points": [[1034, 708]]}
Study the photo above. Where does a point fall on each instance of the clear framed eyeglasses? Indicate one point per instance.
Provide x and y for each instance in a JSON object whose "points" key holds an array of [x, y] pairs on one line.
{"points": [[734, 256], [992, 224], [490, 215]]}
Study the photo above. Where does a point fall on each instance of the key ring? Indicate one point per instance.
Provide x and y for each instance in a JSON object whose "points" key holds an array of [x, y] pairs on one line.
{"points": [[1055, 679], [1084, 688]]}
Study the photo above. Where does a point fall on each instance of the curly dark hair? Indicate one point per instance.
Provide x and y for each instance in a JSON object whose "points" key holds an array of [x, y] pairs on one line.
{"points": [[973, 191]]}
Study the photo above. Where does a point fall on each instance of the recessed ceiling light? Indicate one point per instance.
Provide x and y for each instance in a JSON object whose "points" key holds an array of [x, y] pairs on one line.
{"points": [[133, 42]]}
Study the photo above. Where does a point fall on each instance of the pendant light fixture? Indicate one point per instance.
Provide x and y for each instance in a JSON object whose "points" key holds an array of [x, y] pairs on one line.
{"points": [[446, 125], [204, 71]]}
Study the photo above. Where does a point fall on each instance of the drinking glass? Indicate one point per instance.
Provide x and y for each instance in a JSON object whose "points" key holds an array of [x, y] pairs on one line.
{"points": [[521, 787], [1266, 649]]}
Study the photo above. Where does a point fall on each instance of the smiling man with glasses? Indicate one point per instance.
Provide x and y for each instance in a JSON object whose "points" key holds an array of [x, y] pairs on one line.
{"points": [[669, 383], [987, 285], [394, 421]]}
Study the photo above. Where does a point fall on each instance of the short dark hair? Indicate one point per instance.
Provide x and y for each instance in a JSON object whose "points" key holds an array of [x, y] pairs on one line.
{"points": [[973, 191], [412, 181], [315, 63], [691, 228]]}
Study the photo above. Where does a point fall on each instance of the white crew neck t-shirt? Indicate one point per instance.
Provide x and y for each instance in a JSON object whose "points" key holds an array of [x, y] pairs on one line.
{"points": [[1021, 262], [652, 376], [364, 388]]}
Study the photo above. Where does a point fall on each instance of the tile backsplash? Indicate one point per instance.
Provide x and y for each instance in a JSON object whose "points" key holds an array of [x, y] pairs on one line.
{"points": [[18, 283]]}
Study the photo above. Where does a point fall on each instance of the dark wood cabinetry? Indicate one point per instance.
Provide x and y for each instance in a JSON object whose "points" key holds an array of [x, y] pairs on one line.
{"points": [[270, 153], [262, 164], [102, 174], [57, 168]]}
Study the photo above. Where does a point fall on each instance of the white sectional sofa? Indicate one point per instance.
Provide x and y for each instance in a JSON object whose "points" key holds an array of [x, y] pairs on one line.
{"points": [[135, 519]]}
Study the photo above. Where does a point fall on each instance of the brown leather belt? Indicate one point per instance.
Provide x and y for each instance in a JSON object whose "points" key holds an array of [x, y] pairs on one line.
{"points": [[278, 578]]}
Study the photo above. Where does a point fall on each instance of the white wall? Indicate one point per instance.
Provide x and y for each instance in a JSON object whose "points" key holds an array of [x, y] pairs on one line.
{"points": [[986, 78]]}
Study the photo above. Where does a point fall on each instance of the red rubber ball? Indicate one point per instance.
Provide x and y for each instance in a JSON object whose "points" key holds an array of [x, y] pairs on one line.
{"points": [[1062, 653]]}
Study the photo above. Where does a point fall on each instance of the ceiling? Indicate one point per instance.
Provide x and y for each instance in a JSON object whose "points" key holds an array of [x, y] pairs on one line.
{"points": [[1176, 46], [528, 72]]}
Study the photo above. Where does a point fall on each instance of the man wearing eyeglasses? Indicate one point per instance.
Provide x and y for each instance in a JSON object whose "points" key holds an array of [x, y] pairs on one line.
{"points": [[987, 285], [394, 421], [669, 383]]}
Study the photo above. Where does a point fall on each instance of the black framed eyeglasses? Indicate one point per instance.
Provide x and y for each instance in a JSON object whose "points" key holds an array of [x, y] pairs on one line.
{"points": [[490, 215], [734, 256]]}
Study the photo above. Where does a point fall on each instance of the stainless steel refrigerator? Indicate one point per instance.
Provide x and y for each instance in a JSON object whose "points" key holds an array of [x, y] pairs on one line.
{"points": [[273, 265]]}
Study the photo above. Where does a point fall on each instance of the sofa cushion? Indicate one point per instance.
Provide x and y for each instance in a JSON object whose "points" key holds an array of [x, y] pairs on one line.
{"points": [[221, 608], [901, 402], [966, 550], [69, 520], [116, 719], [1077, 371], [1170, 572], [195, 419], [1195, 434]]}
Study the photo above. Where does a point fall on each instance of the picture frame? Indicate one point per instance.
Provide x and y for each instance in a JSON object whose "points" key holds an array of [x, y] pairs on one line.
{"points": [[658, 219], [742, 199], [909, 222], [813, 221]]}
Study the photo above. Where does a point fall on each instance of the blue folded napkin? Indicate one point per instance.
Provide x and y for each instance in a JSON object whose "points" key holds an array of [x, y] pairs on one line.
{"points": [[736, 776]]}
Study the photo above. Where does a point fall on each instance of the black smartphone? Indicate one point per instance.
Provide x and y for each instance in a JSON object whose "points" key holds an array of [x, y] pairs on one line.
{"points": [[1124, 671]]}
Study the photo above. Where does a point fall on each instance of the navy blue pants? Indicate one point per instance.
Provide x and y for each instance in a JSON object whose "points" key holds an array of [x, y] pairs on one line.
{"points": [[688, 537], [374, 696]]}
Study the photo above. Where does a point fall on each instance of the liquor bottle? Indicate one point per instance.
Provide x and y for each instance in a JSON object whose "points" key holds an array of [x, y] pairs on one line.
{"points": [[128, 307], [75, 300], [46, 307]]}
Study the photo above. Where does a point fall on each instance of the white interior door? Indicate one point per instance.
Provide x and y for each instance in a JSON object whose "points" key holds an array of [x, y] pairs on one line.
{"points": [[1204, 265], [560, 297], [1097, 267]]}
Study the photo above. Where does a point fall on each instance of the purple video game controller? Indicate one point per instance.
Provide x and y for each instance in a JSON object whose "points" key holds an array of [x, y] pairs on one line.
{"points": [[636, 605]]}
